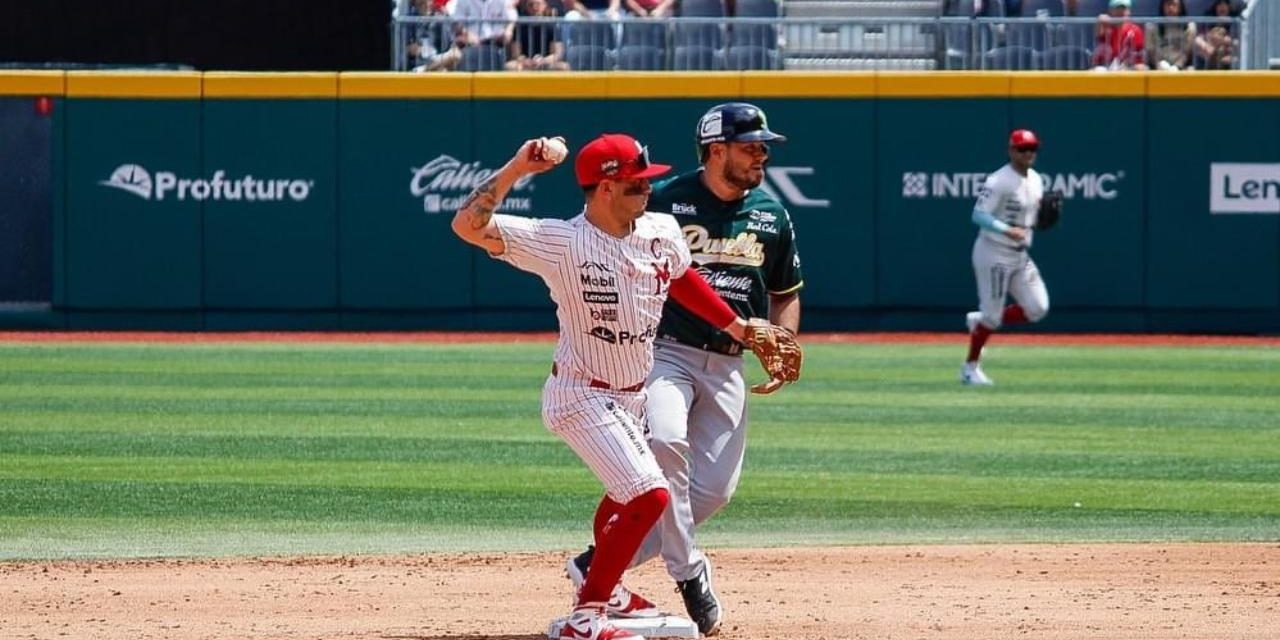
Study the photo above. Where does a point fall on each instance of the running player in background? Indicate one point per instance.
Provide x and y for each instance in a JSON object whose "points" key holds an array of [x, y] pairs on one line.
{"points": [[1006, 214], [609, 271], [741, 239]]}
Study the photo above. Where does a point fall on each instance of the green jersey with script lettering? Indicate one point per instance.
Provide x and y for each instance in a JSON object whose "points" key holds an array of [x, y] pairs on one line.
{"points": [[746, 249]]}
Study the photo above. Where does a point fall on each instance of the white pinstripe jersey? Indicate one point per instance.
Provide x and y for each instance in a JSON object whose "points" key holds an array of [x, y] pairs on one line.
{"points": [[608, 291]]}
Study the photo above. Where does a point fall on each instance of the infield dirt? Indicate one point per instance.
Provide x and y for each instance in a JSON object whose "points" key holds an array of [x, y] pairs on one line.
{"points": [[973, 592]]}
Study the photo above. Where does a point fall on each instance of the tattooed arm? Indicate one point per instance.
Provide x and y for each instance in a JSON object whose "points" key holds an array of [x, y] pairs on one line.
{"points": [[474, 220]]}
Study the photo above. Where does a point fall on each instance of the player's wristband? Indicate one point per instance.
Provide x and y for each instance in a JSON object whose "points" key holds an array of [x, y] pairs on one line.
{"points": [[988, 221]]}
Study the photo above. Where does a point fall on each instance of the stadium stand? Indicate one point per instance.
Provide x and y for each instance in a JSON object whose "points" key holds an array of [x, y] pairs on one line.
{"points": [[641, 57], [879, 35]]}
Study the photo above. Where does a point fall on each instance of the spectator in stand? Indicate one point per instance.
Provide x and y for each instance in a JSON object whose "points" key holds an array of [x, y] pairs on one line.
{"points": [[430, 46], [598, 10], [651, 8], [484, 22], [537, 47], [1169, 45], [1214, 45], [593, 9], [1120, 42]]}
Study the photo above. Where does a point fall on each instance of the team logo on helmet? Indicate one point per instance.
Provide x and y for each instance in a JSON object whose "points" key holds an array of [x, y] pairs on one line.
{"points": [[711, 127]]}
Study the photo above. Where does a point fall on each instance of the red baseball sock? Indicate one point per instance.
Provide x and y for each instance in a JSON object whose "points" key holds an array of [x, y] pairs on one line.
{"points": [[620, 528], [604, 514], [977, 340], [1013, 314]]}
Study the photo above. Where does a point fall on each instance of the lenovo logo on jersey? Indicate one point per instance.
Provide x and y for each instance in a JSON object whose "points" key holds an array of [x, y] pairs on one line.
{"points": [[444, 183], [1088, 186], [600, 297], [132, 178], [590, 280], [623, 337], [780, 183], [1244, 187]]}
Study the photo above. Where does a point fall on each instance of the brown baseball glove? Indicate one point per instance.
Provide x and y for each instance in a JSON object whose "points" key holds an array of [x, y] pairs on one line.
{"points": [[778, 351]]}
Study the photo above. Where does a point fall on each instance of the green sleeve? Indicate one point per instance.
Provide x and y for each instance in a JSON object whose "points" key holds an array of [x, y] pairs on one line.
{"points": [[784, 274]]}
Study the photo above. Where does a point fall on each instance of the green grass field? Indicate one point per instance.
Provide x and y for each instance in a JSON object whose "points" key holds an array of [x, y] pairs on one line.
{"points": [[138, 450]]}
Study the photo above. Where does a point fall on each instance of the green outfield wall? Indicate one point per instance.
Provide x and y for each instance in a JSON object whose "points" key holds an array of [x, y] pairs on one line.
{"points": [[229, 201]]}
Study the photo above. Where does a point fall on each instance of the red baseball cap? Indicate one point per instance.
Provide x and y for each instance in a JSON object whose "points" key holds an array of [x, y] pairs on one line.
{"points": [[1023, 138], [615, 156]]}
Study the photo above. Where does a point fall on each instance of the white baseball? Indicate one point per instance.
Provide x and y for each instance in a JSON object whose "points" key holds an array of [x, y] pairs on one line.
{"points": [[554, 149]]}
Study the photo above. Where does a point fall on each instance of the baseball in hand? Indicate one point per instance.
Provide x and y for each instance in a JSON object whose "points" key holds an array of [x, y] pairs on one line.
{"points": [[552, 150]]}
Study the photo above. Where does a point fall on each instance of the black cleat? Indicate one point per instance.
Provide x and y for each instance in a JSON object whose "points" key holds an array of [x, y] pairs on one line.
{"points": [[578, 566], [701, 601]]}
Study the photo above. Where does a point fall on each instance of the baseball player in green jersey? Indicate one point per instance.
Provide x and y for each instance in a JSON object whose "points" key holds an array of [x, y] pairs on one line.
{"points": [[742, 242]]}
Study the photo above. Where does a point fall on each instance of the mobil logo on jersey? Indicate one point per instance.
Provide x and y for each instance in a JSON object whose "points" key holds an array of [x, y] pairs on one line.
{"points": [[966, 184], [597, 275], [220, 185], [444, 182], [1244, 187]]}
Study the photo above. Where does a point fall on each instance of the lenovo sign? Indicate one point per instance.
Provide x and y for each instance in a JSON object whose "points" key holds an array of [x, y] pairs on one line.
{"points": [[1240, 187]]}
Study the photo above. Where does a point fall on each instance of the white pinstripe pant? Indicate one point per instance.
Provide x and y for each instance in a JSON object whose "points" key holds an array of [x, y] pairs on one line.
{"points": [[606, 429]]}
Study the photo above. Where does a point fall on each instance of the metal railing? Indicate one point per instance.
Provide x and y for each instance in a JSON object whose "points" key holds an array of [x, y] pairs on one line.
{"points": [[719, 44], [1260, 35]]}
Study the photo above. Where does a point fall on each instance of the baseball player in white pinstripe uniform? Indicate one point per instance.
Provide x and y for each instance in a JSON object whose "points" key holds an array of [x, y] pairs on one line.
{"points": [[609, 271], [1006, 216]]}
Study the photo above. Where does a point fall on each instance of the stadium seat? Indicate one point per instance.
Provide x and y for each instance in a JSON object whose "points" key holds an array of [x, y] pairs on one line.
{"points": [[596, 33], [639, 57], [1010, 58], [1148, 8], [955, 39], [1091, 8], [755, 35], [747, 57], [1034, 34], [1197, 7], [696, 58], [757, 9], [482, 58], [1042, 8], [587, 57], [648, 33], [700, 8], [759, 35], [1066, 58], [697, 35]]}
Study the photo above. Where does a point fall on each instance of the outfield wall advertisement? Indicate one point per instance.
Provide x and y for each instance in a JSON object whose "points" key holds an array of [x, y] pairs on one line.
{"points": [[333, 211]]}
